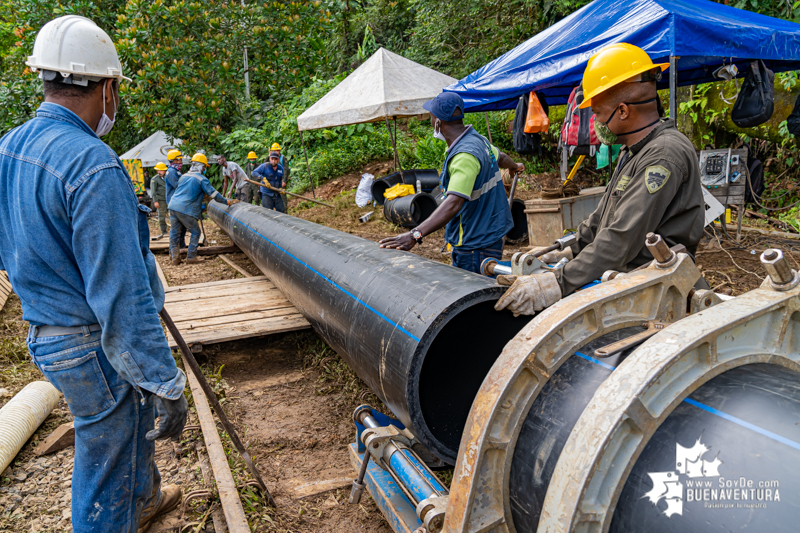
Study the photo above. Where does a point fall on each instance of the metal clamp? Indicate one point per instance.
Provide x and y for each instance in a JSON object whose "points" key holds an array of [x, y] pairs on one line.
{"points": [[432, 511]]}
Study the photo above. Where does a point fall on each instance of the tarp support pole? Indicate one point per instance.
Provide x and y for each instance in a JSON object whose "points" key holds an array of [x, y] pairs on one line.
{"points": [[308, 168], [673, 87], [488, 130], [397, 165]]}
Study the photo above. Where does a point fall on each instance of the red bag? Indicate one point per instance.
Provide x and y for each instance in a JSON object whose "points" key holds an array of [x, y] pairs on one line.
{"points": [[578, 128], [537, 120]]}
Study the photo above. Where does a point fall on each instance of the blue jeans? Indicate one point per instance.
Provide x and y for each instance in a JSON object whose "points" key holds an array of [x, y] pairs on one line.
{"points": [[180, 223], [471, 259], [115, 475], [273, 202]]}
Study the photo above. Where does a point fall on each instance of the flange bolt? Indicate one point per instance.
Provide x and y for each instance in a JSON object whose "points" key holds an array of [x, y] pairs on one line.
{"points": [[780, 273], [659, 249]]}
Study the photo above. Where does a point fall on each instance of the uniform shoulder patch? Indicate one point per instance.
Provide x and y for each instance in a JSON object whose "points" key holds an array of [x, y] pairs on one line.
{"points": [[623, 183], [655, 178]]}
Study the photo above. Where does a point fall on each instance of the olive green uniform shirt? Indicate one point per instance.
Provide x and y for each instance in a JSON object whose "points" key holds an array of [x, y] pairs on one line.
{"points": [[655, 188], [158, 189]]}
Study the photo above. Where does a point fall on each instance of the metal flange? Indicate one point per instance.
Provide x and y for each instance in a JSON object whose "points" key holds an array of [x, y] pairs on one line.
{"points": [[627, 409], [479, 495]]}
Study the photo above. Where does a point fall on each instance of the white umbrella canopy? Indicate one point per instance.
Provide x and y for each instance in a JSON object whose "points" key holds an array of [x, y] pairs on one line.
{"points": [[153, 149], [386, 85]]}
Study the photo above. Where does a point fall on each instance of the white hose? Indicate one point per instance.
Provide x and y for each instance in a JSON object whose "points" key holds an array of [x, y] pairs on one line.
{"points": [[21, 416]]}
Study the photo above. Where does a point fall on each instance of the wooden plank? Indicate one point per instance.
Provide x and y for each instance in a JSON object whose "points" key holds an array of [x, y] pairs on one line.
{"points": [[163, 243], [264, 288], [288, 314], [178, 288], [200, 310], [236, 267], [239, 318], [161, 275], [229, 300], [259, 329], [61, 437], [5, 288]]}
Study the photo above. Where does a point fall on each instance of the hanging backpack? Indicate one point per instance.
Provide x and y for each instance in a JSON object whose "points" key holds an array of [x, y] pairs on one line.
{"points": [[577, 133], [525, 143], [537, 120], [756, 101]]}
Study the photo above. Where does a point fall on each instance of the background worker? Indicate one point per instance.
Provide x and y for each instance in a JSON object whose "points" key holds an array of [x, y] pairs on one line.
{"points": [[475, 211], [172, 178], [158, 190], [272, 174], [284, 163], [237, 176], [185, 208], [173, 175], [655, 187], [91, 297], [255, 190]]}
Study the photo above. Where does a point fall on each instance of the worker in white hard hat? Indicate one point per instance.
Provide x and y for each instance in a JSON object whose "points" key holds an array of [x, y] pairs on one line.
{"points": [[75, 243]]}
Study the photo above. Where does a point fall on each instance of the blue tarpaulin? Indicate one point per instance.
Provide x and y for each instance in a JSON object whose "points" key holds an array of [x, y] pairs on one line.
{"points": [[703, 34]]}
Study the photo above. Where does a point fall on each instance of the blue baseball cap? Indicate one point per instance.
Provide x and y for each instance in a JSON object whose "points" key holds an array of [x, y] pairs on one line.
{"points": [[444, 105]]}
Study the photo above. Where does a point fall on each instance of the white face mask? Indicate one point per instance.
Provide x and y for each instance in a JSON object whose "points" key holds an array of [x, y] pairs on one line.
{"points": [[436, 133], [105, 124]]}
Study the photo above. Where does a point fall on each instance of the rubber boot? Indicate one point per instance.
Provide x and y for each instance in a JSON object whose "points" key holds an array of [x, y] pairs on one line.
{"points": [[176, 258], [193, 260]]}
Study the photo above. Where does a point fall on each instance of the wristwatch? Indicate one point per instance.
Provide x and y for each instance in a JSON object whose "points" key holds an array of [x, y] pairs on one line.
{"points": [[417, 235]]}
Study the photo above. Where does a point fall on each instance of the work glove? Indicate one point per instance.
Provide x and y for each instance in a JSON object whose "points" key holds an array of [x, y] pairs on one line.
{"points": [[554, 256], [530, 294], [172, 418], [231, 202]]}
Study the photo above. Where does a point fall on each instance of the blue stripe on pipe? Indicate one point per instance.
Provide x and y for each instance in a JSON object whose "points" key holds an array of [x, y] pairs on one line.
{"points": [[595, 361], [743, 423], [709, 409], [378, 313]]}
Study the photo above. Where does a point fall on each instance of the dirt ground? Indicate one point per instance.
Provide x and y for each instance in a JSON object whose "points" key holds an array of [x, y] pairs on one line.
{"points": [[290, 397]]}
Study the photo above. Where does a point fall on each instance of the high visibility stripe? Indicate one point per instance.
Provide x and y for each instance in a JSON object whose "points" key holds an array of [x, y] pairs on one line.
{"points": [[488, 186]]}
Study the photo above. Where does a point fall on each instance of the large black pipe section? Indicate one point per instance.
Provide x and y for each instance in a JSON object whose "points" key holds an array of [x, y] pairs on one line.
{"points": [[421, 334], [428, 178], [410, 211]]}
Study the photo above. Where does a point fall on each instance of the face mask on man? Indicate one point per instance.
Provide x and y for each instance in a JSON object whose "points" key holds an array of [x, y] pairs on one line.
{"points": [[105, 124], [604, 133], [436, 132]]}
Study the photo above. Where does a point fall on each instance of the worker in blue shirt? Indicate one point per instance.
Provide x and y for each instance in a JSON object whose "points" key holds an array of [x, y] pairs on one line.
{"points": [[75, 243], [185, 208], [173, 175], [272, 174]]}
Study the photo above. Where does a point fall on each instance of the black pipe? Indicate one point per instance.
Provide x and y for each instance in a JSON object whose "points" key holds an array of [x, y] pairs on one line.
{"points": [[519, 233], [764, 396], [421, 334], [428, 178], [410, 211]]}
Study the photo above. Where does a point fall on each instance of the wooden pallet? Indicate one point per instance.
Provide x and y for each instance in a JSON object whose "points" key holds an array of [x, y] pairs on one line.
{"points": [[5, 288], [222, 311]]}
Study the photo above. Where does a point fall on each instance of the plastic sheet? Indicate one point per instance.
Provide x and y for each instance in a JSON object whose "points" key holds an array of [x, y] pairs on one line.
{"points": [[704, 34]]}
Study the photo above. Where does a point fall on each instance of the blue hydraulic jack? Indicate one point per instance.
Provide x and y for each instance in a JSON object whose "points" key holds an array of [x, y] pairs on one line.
{"points": [[407, 492]]}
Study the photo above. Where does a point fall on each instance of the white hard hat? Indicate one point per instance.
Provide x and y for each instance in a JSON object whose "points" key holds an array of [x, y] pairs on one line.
{"points": [[76, 46]]}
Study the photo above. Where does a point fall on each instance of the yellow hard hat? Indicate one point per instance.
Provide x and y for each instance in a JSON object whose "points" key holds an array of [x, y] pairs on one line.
{"points": [[200, 158], [275, 146], [174, 154], [613, 65], [161, 166], [252, 155]]}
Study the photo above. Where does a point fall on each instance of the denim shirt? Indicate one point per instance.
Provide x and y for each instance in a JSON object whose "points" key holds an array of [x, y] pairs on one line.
{"points": [[75, 243], [188, 197], [273, 176], [172, 178]]}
